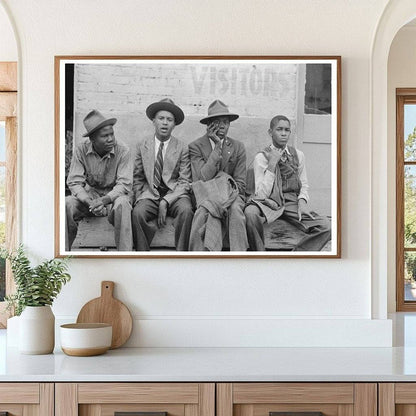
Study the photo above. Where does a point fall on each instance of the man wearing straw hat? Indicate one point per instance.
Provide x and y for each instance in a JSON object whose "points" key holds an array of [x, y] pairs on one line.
{"points": [[162, 179], [100, 181], [212, 155]]}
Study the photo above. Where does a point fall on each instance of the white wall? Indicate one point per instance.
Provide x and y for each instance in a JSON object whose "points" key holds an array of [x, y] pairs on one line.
{"points": [[8, 46], [179, 302], [401, 74]]}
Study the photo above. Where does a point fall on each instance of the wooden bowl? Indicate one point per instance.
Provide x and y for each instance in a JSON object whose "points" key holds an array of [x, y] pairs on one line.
{"points": [[84, 340]]}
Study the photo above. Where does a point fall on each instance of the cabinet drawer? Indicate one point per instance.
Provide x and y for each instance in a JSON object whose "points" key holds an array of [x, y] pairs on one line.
{"points": [[19, 393], [138, 393], [106, 399], [296, 399]]}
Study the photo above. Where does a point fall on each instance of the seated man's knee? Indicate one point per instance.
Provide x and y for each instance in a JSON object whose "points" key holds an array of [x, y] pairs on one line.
{"points": [[237, 206], [72, 205], [122, 202], [326, 225], [70, 201], [183, 211], [186, 207], [145, 210], [201, 211], [139, 211], [320, 224], [252, 213]]}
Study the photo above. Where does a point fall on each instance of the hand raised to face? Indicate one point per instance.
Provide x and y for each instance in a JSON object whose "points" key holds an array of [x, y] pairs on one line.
{"points": [[273, 154], [212, 131]]}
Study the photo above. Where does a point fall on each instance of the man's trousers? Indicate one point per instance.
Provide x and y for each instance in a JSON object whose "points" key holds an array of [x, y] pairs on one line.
{"points": [[233, 227], [144, 220]]}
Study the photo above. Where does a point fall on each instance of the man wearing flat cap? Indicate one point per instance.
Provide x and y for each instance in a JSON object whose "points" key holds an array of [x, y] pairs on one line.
{"points": [[100, 181], [162, 179], [210, 155]]}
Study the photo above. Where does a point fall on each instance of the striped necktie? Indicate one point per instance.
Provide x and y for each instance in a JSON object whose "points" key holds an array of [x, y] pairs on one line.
{"points": [[158, 166]]}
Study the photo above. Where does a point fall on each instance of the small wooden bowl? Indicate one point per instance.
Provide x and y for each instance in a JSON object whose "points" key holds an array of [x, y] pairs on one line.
{"points": [[84, 340]]}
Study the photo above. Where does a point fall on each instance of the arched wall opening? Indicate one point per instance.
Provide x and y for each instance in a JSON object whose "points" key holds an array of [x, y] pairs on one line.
{"points": [[401, 73], [397, 14]]}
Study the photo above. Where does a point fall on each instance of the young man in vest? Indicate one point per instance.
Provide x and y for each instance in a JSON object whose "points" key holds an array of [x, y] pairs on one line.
{"points": [[281, 191]]}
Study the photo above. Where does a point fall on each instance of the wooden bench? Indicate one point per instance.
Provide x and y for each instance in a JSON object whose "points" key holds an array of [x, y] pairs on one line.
{"points": [[96, 233]]}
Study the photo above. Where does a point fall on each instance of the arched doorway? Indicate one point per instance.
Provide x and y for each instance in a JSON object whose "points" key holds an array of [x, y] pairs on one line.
{"points": [[396, 14]]}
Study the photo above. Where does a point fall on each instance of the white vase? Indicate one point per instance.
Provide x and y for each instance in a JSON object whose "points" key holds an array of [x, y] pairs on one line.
{"points": [[37, 330], [13, 331]]}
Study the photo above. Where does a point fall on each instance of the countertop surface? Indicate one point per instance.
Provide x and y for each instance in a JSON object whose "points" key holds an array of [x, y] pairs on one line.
{"points": [[212, 364]]}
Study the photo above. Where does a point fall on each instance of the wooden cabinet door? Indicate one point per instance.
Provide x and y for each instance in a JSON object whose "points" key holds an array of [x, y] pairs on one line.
{"points": [[27, 399], [297, 399], [153, 399], [397, 399]]}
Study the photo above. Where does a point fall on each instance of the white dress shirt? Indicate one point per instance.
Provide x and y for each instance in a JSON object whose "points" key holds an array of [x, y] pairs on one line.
{"points": [[157, 144], [264, 179]]}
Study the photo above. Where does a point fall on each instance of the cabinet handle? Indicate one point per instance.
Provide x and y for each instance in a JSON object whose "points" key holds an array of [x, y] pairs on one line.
{"points": [[138, 414], [296, 414]]}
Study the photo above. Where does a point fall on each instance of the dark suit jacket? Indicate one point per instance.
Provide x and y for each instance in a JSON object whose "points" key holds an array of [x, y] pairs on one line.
{"points": [[176, 170], [205, 165]]}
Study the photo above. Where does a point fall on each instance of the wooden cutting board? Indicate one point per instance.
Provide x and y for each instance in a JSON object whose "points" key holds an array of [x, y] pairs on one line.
{"points": [[107, 309]]}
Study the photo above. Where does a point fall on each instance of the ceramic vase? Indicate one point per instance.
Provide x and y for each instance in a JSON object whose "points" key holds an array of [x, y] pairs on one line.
{"points": [[13, 331], [37, 330]]}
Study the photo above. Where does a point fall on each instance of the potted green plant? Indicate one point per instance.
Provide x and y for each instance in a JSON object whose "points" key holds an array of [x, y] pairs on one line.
{"points": [[36, 289]]}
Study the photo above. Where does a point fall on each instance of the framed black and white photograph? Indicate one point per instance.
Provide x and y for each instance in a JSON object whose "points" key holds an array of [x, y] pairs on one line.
{"points": [[197, 156]]}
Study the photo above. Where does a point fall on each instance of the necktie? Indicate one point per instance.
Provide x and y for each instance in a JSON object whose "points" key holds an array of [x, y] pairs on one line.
{"points": [[158, 166]]}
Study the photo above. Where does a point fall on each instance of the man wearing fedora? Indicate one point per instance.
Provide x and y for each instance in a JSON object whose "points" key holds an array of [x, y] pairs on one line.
{"points": [[100, 181], [212, 153], [162, 179]]}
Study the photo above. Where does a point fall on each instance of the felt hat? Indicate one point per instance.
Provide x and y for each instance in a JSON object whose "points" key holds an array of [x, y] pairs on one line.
{"points": [[218, 109], [167, 105], [94, 121]]}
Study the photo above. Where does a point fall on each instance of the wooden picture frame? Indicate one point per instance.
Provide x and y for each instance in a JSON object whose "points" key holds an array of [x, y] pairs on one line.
{"points": [[305, 89]]}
